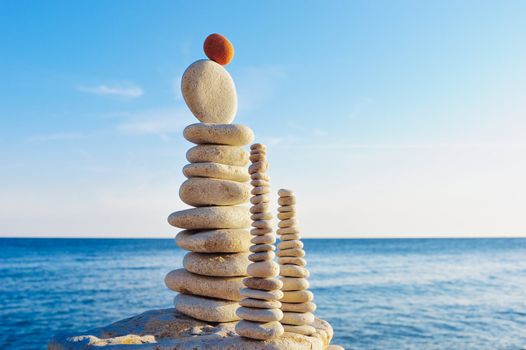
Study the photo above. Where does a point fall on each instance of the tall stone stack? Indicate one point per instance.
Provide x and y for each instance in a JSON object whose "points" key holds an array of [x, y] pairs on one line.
{"points": [[260, 310], [296, 304], [216, 230]]}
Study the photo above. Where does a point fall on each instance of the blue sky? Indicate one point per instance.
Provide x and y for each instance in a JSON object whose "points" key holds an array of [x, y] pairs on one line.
{"points": [[388, 118]]}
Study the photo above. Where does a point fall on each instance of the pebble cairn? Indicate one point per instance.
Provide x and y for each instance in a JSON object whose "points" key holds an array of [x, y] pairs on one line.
{"points": [[216, 230], [296, 304], [260, 310]]}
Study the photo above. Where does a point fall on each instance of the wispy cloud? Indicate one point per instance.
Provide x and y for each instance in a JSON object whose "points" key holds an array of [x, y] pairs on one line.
{"points": [[123, 90], [60, 136], [156, 122]]}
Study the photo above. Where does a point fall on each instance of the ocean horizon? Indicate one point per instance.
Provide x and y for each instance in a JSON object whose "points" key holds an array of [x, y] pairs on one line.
{"points": [[462, 293]]}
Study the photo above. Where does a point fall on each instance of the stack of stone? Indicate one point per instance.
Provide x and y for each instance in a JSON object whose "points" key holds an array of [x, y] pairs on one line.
{"points": [[260, 311], [296, 304], [216, 230]]}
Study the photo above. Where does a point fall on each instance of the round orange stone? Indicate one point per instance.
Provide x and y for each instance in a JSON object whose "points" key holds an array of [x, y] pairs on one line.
{"points": [[219, 49]]}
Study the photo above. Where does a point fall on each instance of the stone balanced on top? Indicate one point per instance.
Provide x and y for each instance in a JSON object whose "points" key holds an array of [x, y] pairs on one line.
{"points": [[296, 304], [260, 311], [216, 230]]}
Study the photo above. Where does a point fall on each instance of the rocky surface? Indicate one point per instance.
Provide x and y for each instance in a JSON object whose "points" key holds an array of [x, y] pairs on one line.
{"points": [[167, 329]]}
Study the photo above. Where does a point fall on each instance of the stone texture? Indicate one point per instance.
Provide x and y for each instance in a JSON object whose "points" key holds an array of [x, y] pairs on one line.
{"points": [[214, 241], [260, 294], [219, 134], [293, 271], [229, 155], [290, 245], [210, 310], [264, 239], [263, 283], [298, 307], [186, 282], [262, 331], [291, 252], [168, 329], [300, 296], [217, 265], [259, 315], [305, 329], [262, 256], [292, 260], [263, 269], [217, 171], [200, 191], [262, 248], [292, 283], [297, 318], [286, 201], [209, 92], [287, 231], [335, 347], [263, 304], [211, 218]]}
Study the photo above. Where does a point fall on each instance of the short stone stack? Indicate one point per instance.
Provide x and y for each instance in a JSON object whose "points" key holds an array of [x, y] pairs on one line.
{"points": [[216, 229], [260, 310], [296, 304]]}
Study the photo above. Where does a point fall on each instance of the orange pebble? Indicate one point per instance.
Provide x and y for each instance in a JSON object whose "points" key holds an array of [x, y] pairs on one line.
{"points": [[219, 49]]}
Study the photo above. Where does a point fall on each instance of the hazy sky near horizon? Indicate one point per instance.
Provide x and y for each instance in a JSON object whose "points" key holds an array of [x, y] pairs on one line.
{"points": [[386, 117]]}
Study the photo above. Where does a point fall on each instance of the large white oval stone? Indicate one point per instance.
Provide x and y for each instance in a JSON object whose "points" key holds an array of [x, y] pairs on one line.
{"points": [[209, 92]]}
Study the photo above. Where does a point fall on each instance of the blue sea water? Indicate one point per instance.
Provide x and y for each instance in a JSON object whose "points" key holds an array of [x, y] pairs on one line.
{"points": [[377, 294]]}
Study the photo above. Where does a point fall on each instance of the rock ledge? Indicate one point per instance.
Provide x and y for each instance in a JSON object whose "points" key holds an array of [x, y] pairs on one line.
{"points": [[167, 329]]}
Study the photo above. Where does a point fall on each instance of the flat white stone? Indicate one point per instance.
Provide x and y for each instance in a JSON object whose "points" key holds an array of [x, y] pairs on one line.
{"points": [[259, 315], [186, 282], [229, 155], [211, 218], [214, 241], [216, 171], [217, 265], [260, 331], [219, 134], [199, 191]]}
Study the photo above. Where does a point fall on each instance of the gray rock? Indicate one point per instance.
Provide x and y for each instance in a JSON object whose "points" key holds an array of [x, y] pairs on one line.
{"points": [[209, 92], [219, 134], [186, 282], [168, 329]]}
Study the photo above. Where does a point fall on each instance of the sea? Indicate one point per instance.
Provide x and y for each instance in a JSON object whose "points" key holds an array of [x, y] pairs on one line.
{"points": [[376, 293]]}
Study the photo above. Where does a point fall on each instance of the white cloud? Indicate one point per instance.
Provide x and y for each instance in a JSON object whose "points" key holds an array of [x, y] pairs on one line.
{"points": [[157, 122], [124, 90], [60, 136]]}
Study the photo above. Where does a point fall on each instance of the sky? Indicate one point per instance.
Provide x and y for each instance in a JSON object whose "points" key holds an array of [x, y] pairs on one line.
{"points": [[387, 118]]}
